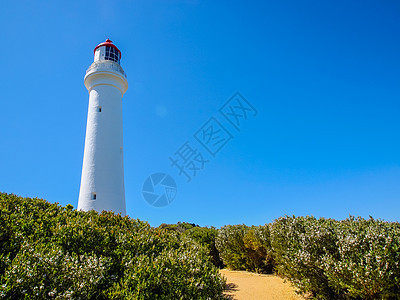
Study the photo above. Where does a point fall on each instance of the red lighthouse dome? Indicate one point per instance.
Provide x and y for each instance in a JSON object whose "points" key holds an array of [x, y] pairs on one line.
{"points": [[107, 51]]}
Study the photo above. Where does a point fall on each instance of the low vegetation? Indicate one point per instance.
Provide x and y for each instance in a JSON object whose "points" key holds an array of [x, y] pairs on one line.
{"points": [[52, 252], [324, 258]]}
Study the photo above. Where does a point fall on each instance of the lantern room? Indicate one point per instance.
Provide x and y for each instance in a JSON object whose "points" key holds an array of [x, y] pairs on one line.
{"points": [[107, 51]]}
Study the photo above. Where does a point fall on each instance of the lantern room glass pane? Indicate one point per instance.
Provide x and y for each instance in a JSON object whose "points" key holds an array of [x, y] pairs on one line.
{"points": [[111, 54]]}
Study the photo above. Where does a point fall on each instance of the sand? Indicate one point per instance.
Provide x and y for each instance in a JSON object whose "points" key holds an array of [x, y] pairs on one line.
{"points": [[243, 285]]}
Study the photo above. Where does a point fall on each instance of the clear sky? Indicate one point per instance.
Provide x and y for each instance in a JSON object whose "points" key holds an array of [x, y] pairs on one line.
{"points": [[323, 76]]}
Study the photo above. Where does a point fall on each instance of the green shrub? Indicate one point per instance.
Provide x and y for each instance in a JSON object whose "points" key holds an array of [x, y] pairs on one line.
{"points": [[230, 245], [179, 227], [300, 246], [350, 259], [46, 272], [174, 274], [259, 255], [367, 264], [245, 248], [51, 252], [206, 237]]}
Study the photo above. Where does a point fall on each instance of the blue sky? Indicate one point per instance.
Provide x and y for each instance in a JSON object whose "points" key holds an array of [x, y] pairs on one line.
{"points": [[323, 77]]}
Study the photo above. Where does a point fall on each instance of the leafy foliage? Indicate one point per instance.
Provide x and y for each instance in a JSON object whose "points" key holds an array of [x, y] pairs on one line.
{"points": [[350, 259], [245, 248], [367, 262], [300, 245], [53, 252], [324, 258], [204, 236]]}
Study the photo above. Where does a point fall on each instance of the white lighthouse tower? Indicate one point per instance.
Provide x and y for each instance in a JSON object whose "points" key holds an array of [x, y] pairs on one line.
{"points": [[102, 182]]}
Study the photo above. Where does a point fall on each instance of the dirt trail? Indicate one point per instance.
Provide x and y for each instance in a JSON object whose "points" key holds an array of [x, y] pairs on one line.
{"points": [[249, 286]]}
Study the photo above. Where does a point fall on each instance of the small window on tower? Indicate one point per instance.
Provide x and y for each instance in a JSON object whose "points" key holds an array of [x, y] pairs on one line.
{"points": [[98, 108], [93, 196]]}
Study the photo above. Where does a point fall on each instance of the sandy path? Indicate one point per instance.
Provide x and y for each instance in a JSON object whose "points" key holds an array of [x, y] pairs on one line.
{"points": [[249, 286]]}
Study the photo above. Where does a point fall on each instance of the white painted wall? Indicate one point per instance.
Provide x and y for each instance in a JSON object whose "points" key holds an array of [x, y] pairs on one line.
{"points": [[103, 163]]}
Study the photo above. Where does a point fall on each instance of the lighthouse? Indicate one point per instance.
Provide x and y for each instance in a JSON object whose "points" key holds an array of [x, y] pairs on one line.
{"points": [[102, 182]]}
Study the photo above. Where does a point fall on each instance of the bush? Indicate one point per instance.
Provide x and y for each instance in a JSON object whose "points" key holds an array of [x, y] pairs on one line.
{"points": [[324, 258], [53, 252], [259, 253], [367, 262], [174, 274], [206, 237], [300, 245], [46, 272], [179, 227], [245, 248], [350, 259], [231, 247]]}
